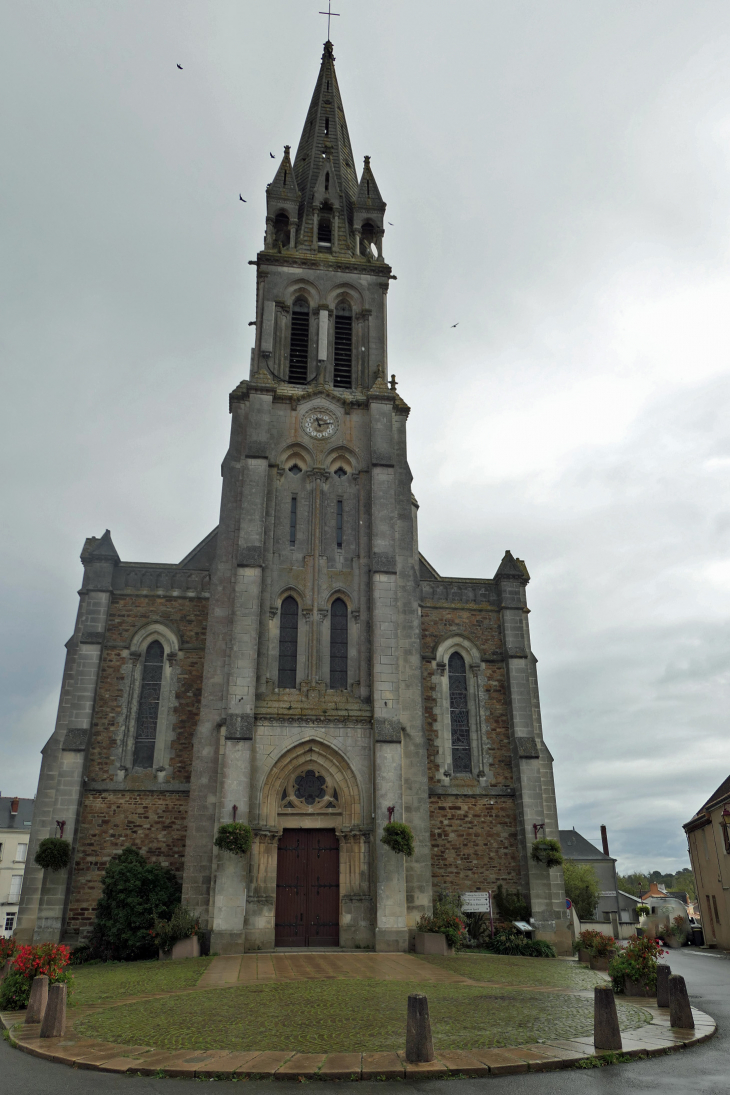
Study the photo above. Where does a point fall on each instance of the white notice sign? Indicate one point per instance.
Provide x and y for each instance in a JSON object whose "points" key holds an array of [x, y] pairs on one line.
{"points": [[475, 902]]}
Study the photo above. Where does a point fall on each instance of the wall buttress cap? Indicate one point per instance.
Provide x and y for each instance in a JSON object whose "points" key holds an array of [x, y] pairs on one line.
{"points": [[97, 549], [512, 568]]}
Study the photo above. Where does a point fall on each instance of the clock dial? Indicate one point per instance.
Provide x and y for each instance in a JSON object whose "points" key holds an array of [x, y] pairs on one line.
{"points": [[320, 423]]}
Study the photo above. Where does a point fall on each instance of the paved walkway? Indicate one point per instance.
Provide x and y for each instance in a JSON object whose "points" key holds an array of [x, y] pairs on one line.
{"points": [[231, 969]]}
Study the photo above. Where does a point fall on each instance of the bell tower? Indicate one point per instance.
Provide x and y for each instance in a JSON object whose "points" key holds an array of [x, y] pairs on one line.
{"points": [[313, 645]]}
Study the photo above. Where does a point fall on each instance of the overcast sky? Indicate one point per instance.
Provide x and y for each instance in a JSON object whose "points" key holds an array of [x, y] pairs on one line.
{"points": [[557, 178]]}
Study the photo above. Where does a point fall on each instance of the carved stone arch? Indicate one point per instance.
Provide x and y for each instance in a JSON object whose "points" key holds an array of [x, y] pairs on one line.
{"points": [[456, 640], [344, 595], [299, 453], [345, 455], [346, 292], [302, 287], [289, 591], [320, 755], [162, 630]]}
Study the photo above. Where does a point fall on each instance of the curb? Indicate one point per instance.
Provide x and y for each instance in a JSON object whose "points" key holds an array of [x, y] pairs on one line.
{"points": [[651, 1040]]}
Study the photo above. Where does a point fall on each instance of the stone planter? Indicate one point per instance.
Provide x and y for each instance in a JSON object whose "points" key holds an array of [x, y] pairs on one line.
{"points": [[637, 988], [432, 943], [184, 948], [673, 942], [584, 956], [601, 964]]}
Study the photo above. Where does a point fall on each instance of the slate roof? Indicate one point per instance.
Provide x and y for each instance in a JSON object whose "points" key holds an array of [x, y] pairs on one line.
{"points": [[576, 847], [702, 817], [17, 821]]}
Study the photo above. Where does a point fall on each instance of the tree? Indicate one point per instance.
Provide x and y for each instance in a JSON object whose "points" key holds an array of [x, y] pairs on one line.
{"points": [[685, 880], [636, 884], [582, 887], [134, 892]]}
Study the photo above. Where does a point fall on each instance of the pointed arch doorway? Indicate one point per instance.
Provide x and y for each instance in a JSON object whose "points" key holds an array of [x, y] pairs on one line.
{"points": [[308, 889]]}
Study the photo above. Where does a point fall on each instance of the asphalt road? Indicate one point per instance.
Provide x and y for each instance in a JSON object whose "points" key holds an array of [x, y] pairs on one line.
{"points": [[704, 1070]]}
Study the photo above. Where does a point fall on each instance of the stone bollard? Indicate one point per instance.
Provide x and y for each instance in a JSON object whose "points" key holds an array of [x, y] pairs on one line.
{"points": [[419, 1043], [38, 999], [680, 1010], [606, 1032], [662, 986], [54, 1021]]}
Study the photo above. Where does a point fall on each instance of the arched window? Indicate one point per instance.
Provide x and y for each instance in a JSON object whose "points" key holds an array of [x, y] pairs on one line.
{"points": [[459, 711], [299, 342], [338, 644], [281, 229], [343, 346], [149, 706], [288, 634]]}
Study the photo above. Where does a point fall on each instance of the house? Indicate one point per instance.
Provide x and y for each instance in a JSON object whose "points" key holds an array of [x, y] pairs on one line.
{"points": [[614, 906], [709, 853], [15, 820]]}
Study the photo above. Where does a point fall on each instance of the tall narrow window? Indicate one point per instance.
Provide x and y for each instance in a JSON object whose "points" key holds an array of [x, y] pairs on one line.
{"points": [[339, 522], [343, 346], [299, 342], [149, 706], [293, 522], [459, 711], [288, 634], [324, 232], [338, 644], [326, 125]]}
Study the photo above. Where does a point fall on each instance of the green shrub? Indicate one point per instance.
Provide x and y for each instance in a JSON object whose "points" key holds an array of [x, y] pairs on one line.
{"points": [[547, 852], [234, 837], [181, 925], [511, 941], [637, 961], [53, 854], [584, 941], [398, 837], [511, 905], [133, 893], [582, 887], [447, 919]]}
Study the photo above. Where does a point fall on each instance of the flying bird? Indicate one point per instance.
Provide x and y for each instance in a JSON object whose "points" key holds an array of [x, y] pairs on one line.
{"points": [[180, 67], [454, 324], [272, 155], [391, 224], [241, 198]]}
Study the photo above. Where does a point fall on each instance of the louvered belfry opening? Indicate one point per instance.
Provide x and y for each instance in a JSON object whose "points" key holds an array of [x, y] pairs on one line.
{"points": [[343, 346], [338, 644], [288, 635], [149, 706], [459, 711], [299, 342]]}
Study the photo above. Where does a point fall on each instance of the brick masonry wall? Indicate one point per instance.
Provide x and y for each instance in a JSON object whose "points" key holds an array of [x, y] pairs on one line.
{"points": [[112, 820], [473, 837], [152, 821]]}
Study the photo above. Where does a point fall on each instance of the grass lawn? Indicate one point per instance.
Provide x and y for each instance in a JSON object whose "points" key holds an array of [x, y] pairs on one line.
{"points": [[99, 984], [544, 972], [344, 1015]]}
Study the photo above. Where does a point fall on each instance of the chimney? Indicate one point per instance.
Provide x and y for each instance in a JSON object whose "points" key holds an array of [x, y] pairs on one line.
{"points": [[14, 806], [604, 840]]}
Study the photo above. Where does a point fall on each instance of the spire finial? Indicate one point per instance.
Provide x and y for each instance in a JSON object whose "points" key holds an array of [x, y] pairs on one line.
{"points": [[329, 13]]}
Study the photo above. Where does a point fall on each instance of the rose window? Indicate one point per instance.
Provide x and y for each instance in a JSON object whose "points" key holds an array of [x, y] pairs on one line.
{"points": [[309, 789]]}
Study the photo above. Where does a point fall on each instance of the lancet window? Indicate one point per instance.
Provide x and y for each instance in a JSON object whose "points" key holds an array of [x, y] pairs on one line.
{"points": [[459, 715], [299, 342], [343, 346], [338, 644], [288, 636], [148, 710]]}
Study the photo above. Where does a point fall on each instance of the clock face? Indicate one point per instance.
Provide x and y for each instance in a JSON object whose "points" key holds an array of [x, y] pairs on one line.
{"points": [[320, 423]]}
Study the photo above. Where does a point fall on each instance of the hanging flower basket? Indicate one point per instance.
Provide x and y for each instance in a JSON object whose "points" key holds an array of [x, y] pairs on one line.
{"points": [[398, 837], [53, 854], [547, 852], [234, 837]]}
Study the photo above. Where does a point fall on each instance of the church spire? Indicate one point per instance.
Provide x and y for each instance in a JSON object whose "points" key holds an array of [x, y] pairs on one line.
{"points": [[324, 165]]}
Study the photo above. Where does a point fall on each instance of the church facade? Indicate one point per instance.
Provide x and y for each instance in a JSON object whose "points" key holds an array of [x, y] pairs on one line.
{"points": [[303, 669]]}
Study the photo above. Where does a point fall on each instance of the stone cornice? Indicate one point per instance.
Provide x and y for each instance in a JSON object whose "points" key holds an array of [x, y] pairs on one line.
{"points": [[320, 261]]}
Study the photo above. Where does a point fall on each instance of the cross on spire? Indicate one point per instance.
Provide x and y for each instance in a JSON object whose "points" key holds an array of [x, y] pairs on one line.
{"points": [[329, 13]]}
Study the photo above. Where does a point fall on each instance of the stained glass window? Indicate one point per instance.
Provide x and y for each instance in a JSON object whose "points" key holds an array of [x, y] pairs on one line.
{"points": [[149, 706], [288, 634], [338, 644], [459, 711]]}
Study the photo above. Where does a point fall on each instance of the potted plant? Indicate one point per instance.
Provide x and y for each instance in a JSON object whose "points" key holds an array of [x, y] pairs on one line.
{"points": [[398, 837], [547, 852], [53, 854], [178, 936], [677, 932], [235, 837], [582, 945], [633, 969], [445, 931], [602, 951]]}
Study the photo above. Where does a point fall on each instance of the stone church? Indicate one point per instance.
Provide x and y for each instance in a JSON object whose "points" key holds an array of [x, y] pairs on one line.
{"points": [[303, 669]]}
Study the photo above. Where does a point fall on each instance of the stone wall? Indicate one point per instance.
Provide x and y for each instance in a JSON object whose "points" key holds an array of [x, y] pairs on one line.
{"points": [[474, 842], [137, 810]]}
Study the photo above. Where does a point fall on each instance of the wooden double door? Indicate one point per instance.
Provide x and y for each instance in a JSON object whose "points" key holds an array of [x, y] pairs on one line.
{"points": [[308, 889]]}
